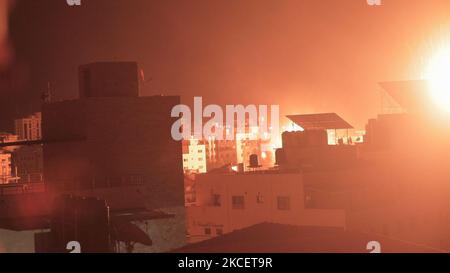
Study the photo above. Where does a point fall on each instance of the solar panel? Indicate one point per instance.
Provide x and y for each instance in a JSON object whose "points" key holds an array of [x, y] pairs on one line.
{"points": [[320, 121]]}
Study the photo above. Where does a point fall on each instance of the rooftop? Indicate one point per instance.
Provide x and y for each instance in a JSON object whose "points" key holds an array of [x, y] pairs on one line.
{"points": [[277, 238], [320, 121]]}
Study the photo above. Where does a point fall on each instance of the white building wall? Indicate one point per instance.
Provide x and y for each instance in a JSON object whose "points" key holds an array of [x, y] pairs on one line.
{"points": [[260, 192]]}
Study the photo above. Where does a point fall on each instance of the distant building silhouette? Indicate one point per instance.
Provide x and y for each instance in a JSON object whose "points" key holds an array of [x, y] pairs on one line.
{"points": [[29, 128]]}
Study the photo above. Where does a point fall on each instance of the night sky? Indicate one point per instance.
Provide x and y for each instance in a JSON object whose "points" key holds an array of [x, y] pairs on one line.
{"points": [[306, 55]]}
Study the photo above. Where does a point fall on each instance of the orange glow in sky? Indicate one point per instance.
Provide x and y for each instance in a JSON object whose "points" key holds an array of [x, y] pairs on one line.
{"points": [[438, 75]]}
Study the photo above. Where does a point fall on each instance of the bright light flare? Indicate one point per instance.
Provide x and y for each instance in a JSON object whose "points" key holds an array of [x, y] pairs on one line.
{"points": [[438, 76]]}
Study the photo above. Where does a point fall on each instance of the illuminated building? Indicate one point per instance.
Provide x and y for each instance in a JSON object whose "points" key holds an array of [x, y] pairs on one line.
{"points": [[220, 153], [8, 138], [232, 152], [194, 156], [5, 168]]}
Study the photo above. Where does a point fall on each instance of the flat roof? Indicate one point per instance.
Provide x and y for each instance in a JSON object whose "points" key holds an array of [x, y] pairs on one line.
{"points": [[320, 121], [278, 238]]}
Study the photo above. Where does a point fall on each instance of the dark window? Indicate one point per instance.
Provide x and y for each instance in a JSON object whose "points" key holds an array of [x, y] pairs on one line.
{"points": [[216, 200], [25, 131], [284, 203], [259, 198], [207, 231], [238, 202]]}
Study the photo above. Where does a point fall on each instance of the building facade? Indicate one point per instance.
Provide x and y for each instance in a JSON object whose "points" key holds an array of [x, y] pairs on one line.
{"points": [[231, 201], [117, 146], [194, 156], [29, 128]]}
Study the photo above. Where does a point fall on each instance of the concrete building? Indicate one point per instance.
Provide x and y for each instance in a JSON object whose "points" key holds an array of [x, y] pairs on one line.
{"points": [[220, 153], [231, 201], [278, 238], [396, 184], [311, 148], [29, 128], [115, 145], [254, 142], [237, 151], [27, 162]]}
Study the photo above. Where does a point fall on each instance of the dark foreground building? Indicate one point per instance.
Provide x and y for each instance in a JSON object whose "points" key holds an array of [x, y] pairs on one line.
{"points": [[277, 238], [114, 145]]}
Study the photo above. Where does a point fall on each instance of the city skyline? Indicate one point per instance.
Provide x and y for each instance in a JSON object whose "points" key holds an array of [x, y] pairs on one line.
{"points": [[259, 126]]}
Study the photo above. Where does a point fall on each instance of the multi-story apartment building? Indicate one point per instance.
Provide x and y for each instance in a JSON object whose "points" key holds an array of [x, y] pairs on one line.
{"points": [[194, 156], [230, 201]]}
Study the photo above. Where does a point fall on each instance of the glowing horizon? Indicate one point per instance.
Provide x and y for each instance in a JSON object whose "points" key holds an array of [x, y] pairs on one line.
{"points": [[437, 74]]}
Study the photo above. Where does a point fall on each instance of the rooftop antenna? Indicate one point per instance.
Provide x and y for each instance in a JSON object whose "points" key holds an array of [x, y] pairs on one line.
{"points": [[47, 95], [143, 80]]}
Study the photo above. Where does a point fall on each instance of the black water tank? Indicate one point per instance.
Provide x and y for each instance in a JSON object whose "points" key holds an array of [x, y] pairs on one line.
{"points": [[254, 163], [280, 157]]}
